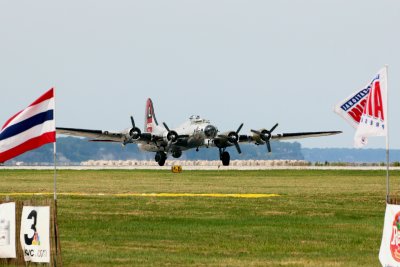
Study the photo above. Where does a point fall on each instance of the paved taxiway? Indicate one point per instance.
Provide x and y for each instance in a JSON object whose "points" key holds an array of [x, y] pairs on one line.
{"points": [[213, 168]]}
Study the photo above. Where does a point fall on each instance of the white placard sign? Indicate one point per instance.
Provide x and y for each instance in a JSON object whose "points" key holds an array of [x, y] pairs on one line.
{"points": [[7, 230], [35, 233], [389, 254]]}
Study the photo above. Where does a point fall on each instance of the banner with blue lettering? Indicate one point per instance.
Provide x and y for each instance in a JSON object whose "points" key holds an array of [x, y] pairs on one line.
{"points": [[35, 233], [366, 109], [373, 120], [351, 108]]}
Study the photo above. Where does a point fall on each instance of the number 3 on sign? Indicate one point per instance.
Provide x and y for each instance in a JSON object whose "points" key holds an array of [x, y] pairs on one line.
{"points": [[32, 215]]}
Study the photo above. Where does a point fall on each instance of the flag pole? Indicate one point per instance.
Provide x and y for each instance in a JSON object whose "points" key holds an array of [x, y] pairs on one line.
{"points": [[56, 237], [55, 173], [387, 139], [55, 150]]}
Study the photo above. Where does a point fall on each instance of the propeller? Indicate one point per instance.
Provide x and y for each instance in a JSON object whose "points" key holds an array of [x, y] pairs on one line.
{"points": [[133, 122], [266, 135], [135, 132], [172, 137], [233, 137]]}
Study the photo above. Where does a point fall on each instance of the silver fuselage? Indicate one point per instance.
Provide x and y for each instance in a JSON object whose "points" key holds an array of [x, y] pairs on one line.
{"points": [[193, 130]]}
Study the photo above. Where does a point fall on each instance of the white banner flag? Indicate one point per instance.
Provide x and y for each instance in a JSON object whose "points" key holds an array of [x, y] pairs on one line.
{"points": [[35, 233], [351, 107], [389, 254], [373, 119], [7, 230]]}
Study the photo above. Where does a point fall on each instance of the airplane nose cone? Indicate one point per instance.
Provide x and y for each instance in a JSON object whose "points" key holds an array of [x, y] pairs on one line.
{"points": [[210, 131]]}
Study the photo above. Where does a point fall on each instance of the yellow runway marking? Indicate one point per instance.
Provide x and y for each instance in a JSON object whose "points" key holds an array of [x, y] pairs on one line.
{"points": [[148, 195]]}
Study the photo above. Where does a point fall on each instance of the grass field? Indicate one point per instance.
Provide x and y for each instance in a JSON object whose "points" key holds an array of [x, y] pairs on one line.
{"points": [[320, 218]]}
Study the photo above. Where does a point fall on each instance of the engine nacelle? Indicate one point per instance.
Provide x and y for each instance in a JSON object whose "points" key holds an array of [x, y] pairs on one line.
{"points": [[261, 138], [233, 137], [134, 133], [171, 136]]}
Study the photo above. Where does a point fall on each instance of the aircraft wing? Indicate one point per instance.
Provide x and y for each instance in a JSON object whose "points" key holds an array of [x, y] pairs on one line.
{"points": [[287, 136], [262, 136], [103, 136], [94, 135], [221, 141]]}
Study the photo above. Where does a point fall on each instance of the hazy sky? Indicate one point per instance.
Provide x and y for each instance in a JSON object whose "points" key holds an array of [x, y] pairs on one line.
{"points": [[257, 62]]}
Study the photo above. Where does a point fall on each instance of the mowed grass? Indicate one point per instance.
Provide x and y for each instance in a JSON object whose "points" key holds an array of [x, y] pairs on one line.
{"points": [[321, 218]]}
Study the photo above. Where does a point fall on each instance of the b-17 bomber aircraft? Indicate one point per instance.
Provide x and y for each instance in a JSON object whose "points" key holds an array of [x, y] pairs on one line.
{"points": [[195, 133]]}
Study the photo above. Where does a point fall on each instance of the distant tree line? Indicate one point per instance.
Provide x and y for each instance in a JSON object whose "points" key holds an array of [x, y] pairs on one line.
{"points": [[72, 150], [75, 150], [351, 155]]}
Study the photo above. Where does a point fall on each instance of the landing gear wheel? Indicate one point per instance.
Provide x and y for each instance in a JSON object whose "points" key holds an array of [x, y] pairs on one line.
{"points": [[160, 158], [177, 154], [225, 158]]}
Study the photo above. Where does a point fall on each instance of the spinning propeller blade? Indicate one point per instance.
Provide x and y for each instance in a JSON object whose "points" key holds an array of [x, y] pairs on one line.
{"points": [[234, 138], [266, 135], [172, 137], [133, 122], [166, 126], [273, 128], [240, 128]]}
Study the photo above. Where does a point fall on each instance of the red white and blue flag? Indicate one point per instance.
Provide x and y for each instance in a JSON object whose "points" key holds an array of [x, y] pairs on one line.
{"points": [[29, 129], [366, 110], [351, 108]]}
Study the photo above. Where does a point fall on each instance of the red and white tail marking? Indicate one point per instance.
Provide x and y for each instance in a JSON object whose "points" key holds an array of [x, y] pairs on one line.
{"points": [[150, 119]]}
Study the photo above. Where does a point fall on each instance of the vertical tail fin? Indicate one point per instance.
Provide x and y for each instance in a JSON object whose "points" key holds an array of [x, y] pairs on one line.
{"points": [[150, 120]]}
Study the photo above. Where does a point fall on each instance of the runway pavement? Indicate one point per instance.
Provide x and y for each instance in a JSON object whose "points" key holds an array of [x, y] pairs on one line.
{"points": [[189, 168]]}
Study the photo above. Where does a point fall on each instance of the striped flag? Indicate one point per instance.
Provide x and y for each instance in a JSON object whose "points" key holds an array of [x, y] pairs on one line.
{"points": [[29, 129]]}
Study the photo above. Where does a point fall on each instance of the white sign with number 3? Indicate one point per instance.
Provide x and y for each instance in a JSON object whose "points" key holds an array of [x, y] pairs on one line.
{"points": [[35, 233]]}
